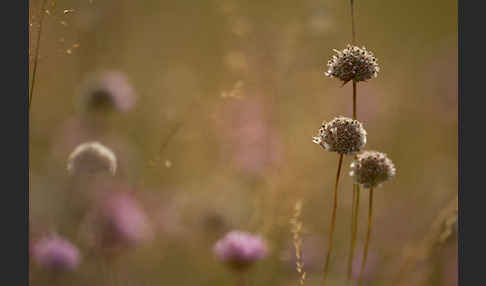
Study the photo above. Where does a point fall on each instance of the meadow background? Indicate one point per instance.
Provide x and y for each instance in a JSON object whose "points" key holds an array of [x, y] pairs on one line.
{"points": [[229, 94]]}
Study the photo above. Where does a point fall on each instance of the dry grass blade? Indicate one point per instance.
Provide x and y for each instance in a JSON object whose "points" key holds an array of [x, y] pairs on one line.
{"points": [[296, 224]]}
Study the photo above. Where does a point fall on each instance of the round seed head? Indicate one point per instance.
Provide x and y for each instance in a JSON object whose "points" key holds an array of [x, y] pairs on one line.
{"points": [[372, 168], [353, 63], [240, 249], [342, 135], [91, 158]]}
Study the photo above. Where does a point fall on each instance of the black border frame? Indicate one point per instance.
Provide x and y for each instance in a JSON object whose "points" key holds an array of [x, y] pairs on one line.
{"points": [[14, 213], [471, 206]]}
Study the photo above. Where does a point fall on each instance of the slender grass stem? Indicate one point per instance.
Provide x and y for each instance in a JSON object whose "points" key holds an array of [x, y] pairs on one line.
{"points": [[355, 204], [333, 217], [353, 30], [367, 242], [37, 48], [355, 91], [354, 228]]}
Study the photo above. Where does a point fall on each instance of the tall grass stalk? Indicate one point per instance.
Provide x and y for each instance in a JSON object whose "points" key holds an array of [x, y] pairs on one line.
{"points": [[333, 217], [37, 49], [354, 228], [368, 236], [356, 187]]}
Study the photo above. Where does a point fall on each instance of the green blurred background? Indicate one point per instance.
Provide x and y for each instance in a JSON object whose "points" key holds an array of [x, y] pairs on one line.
{"points": [[239, 89]]}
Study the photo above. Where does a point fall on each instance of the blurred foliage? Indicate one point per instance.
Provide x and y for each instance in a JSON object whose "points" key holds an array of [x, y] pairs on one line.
{"points": [[229, 95]]}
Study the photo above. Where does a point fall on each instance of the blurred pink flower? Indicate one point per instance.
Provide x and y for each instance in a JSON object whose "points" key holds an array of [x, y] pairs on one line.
{"points": [[240, 249], [124, 220], [56, 253]]}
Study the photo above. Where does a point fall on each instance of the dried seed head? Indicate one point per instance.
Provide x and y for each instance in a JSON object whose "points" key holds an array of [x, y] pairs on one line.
{"points": [[353, 63], [90, 158], [342, 135], [372, 168]]}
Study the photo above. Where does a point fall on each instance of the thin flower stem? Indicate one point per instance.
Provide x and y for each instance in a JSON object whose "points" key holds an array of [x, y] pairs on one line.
{"points": [[353, 30], [355, 204], [368, 236], [36, 56], [355, 91], [354, 228], [333, 217]]}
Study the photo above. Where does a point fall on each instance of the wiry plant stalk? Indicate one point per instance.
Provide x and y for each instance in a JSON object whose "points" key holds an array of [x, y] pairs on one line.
{"points": [[354, 228], [353, 203], [37, 48], [353, 30], [356, 187], [368, 236], [355, 91], [333, 217]]}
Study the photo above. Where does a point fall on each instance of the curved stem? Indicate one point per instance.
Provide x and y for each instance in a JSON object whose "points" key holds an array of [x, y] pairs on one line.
{"points": [[36, 56], [354, 228], [368, 235], [333, 217]]}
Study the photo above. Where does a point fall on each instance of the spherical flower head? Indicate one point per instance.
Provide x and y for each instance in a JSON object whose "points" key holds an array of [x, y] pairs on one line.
{"points": [[124, 220], [240, 249], [106, 91], [342, 135], [353, 63], [91, 158], [372, 168], [56, 253]]}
